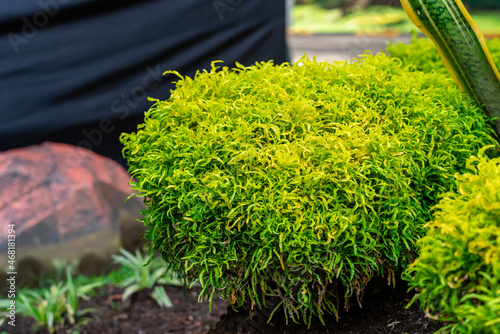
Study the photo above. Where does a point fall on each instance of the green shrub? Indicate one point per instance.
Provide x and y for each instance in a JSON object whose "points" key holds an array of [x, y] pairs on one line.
{"points": [[272, 180], [422, 55], [458, 270]]}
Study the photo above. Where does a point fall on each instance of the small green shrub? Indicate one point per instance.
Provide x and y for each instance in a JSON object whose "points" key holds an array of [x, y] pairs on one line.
{"points": [[422, 55], [147, 275], [457, 272], [52, 306], [285, 181]]}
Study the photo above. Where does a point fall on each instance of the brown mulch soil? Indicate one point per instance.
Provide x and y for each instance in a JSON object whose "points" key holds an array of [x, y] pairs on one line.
{"points": [[383, 311], [140, 314]]}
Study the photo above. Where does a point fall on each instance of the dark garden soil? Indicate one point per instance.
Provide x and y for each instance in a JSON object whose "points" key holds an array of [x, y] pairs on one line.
{"points": [[382, 312]]}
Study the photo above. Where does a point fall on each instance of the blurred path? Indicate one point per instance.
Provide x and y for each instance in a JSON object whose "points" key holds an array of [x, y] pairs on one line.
{"points": [[338, 47]]}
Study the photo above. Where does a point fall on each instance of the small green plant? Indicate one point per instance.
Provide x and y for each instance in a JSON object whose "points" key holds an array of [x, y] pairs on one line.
{"points": [[47, 307], [457, 273], [52, 306], [4, 304], [289, 181], [146, 275], [422, 55]]}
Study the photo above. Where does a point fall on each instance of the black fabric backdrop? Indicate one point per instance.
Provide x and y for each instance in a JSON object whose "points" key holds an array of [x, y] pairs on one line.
{"points": [[80, 71]]}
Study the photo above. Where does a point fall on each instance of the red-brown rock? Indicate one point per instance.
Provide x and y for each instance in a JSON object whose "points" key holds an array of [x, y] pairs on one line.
{"points": [[55, 192]]}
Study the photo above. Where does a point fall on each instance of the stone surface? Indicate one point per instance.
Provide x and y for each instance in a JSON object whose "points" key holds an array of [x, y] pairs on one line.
{"points": [[57, 194]]}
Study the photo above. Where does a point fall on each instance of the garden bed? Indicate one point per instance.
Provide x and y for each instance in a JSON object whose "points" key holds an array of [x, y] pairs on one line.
{"points": [[383, 311], [140, 314]]}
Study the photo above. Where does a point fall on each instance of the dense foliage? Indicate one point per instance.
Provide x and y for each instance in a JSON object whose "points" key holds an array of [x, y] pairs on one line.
{"points": [[458, 270], [276, 181], [422, 55]]}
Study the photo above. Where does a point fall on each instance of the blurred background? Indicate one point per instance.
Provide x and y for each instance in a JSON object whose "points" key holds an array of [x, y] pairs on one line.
{"points": [[343, 29], [376, 16]]}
